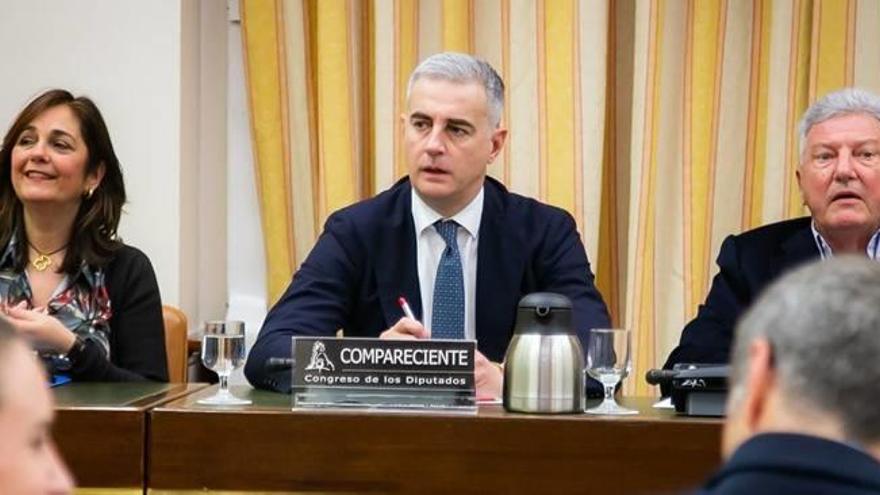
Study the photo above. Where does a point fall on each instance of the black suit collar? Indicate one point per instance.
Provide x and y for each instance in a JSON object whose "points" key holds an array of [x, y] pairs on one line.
{"points": [[787, 454], [397, 273], [499, 267], [799, 247]]}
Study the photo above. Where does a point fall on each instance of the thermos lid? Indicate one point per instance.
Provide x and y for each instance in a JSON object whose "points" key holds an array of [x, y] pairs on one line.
{"points": [[544, 313], [549, 300]]}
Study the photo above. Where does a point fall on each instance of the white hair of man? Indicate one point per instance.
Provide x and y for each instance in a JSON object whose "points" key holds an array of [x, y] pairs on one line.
{"points": [[823, 325], [844, 102], [463, 68]]}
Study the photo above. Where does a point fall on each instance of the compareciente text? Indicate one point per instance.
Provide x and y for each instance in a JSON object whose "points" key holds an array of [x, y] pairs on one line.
{"points": [[405, 357]]}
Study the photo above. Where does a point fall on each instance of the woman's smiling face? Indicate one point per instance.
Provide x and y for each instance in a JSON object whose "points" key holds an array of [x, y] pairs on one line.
{"points": [[50, 158]]}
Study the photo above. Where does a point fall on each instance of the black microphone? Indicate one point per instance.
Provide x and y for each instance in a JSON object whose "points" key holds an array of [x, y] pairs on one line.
{"points": [[660, 377], [278, 364]]}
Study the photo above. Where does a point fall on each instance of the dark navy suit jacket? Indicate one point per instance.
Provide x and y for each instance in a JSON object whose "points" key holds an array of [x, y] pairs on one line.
{"points": [[786, 463], [366, 258], [747, 264]]}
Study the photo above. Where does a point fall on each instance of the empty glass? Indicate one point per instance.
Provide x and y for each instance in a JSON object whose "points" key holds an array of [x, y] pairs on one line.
{"points": [[608, 360], [223, 352]]}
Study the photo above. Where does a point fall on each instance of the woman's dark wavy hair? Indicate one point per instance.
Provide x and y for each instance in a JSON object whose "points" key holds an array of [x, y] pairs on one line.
{"points": [[93, 237]]}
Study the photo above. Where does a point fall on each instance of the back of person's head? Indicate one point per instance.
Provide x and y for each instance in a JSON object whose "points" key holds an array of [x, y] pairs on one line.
{"points": [[95, 226], [29, 461], [822, 322], [463, 68], [10, 343], [8, 338]]}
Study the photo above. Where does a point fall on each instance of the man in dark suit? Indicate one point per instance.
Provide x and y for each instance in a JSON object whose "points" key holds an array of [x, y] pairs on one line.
{"points": [[802, 414], [839, 179], [456, 244]]}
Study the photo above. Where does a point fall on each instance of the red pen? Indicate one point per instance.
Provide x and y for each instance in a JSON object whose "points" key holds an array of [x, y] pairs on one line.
{"points": [[407, 311]]}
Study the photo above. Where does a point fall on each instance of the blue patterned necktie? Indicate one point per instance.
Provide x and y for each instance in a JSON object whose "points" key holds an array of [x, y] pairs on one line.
{"points": [[447, 317]]}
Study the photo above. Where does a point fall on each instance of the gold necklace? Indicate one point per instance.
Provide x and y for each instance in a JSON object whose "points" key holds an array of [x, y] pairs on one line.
{"points": [[44, 260]]}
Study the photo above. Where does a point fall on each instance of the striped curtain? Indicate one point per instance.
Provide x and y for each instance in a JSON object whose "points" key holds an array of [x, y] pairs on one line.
{"points": [[661, 125]]}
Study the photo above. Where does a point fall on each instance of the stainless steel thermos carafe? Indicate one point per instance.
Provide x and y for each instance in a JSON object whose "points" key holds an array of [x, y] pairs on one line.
{"points": [[544, 364]]}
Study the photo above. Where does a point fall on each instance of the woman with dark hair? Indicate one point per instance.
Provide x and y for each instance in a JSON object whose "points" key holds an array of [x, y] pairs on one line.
{"points": [[89, 303]]}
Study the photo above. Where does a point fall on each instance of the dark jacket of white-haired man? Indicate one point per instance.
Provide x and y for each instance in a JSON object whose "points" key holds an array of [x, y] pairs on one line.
{"points": [[839, 180], [802, 414]]}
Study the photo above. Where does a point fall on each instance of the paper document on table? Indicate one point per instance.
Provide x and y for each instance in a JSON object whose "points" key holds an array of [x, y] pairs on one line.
{"points": [[664, 403]]}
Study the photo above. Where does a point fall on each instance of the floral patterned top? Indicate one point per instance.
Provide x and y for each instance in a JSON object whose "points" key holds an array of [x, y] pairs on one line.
{"points": [[80, 302]]}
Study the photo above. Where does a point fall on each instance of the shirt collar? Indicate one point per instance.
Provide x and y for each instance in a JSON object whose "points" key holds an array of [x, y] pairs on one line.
{"points": [[825, 250], [468, 218]]}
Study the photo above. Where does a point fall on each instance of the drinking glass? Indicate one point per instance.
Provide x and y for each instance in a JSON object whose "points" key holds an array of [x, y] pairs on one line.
{"points": [[608, 360], [222, 353]]}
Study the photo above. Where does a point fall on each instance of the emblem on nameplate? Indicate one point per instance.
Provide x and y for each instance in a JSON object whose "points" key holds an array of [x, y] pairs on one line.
{"points": [[320, 361]]}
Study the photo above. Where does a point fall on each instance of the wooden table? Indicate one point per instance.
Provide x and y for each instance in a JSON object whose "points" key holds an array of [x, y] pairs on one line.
{"points": [[267, 447], [101, 429]]}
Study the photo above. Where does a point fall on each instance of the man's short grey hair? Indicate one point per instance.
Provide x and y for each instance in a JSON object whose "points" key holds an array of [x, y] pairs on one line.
{"points": [[844, 102], [463, 68], [823, 324]]}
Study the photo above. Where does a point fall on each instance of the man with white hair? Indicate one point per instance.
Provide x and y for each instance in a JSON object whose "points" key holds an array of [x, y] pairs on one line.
{"points": [[454, 242], [29, 462], [802, 413], [839, 179]]}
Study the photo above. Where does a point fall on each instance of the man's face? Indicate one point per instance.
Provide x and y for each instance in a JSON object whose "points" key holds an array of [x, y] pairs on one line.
{"points": [[449, 142], [839, 175], [29, 461]]}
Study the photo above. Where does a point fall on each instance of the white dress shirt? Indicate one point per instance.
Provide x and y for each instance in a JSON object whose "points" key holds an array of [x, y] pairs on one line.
{"points": [[872, 250], [429, 249]]}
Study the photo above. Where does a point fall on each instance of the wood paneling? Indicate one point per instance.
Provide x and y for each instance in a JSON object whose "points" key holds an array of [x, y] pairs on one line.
{"points": [[267, 447], [101, 429]]}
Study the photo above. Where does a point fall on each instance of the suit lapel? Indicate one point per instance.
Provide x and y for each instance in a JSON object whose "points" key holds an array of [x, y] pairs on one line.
{"points": [[396, 264], [797, 249], [499, 267]]}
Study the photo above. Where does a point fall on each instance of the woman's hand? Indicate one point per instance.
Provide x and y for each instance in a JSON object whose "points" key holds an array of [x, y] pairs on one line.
{"points": [[45, 332]]}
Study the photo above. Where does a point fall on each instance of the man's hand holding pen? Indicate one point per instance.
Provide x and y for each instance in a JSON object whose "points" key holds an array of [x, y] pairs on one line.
{"points": [[406, 328], [488, 376]]}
